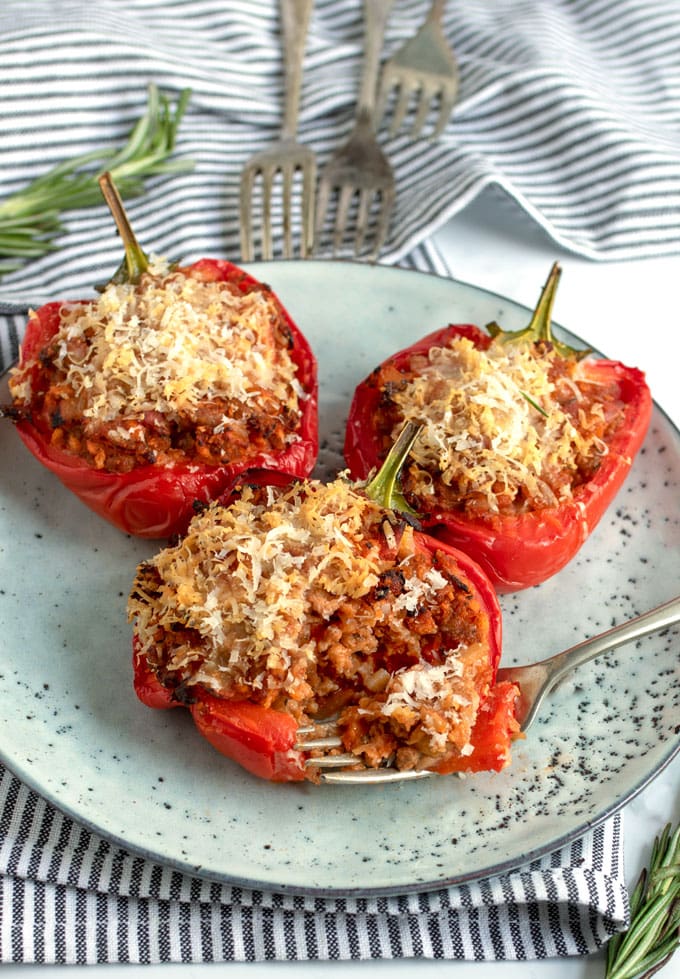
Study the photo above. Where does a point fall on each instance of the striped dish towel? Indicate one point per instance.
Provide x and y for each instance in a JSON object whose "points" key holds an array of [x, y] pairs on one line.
{"points": [[591, 155], [68, 896], [570, 106]]}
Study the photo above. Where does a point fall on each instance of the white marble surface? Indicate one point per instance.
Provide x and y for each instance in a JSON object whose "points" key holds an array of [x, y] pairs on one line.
{"points": [[628, 311]]}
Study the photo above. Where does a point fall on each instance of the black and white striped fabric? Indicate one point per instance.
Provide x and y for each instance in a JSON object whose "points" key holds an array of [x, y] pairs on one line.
{"points": [[570, 106], [70, 897]]}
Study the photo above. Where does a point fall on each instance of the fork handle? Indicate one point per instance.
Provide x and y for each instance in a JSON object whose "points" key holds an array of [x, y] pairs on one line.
{"points": [[436, 11], [294, 23], [657, 618], [376, 13]]}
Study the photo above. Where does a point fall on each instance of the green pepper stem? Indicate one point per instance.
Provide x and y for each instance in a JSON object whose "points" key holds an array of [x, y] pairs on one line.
{"points": [[540, 325], [384, 488], [136, 262]]}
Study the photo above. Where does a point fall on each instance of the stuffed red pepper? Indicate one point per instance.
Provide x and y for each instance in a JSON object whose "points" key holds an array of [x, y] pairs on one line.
{"points": [[289, 605], [160, 393], [525, 443]]}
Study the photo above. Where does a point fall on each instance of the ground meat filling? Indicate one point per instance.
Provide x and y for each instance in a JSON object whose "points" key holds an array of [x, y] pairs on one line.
{"points": [[182, 367], [311, 600], [506, 429]]}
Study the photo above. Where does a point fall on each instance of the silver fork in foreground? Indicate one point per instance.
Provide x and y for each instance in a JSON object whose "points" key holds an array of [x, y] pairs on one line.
{"points": [[535, 681], [286, 157], [423, 71], [360, 168]]}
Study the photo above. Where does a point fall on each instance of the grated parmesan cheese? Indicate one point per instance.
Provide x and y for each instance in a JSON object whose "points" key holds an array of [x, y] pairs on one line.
{"points": [[293, 595], [177, 352], [445, 697], [170, 343], [243, 575], [494, 425]]}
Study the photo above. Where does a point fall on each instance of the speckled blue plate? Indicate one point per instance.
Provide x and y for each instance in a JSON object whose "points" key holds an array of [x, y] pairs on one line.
{"points": [[72, 728]]}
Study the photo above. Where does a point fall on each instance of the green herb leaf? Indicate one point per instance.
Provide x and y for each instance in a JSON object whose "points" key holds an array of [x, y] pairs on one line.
{"points": [[654, 932], [31, 219]]}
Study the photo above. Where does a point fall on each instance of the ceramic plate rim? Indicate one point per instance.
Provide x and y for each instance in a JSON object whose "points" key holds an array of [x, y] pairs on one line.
{"points": [[166, 857]]}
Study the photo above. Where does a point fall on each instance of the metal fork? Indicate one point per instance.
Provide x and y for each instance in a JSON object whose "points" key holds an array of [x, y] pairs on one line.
{"points": [[286, 156], [534, 680], [424, 69], [359, 167]]}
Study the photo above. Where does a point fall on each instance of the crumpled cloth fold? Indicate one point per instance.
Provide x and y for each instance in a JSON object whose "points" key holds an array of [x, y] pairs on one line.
{"points": [[572, 108], [70, 897]]}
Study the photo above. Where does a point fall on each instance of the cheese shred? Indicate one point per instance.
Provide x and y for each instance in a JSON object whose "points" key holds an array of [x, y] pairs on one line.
{"points": [[310, 597], [510, 427], [181, 364]]}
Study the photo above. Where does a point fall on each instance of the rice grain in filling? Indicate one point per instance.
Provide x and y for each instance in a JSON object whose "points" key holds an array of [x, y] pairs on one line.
{"points": [[312, 600], [506, 428], [182, 366]]}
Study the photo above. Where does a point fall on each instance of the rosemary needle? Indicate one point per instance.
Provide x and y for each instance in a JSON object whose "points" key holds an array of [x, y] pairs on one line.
{"points": [[31, 219], [654, 931]]}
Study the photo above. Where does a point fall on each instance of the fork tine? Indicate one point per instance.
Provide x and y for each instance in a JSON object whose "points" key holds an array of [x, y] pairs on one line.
{"points": [[267, 246], [323, 196], [374, 776], [308, 204], [332, 761], [245, 222], [288, 174], [388, 197], [321, 743], [446, 104], [344, 200], [422, 110], [365, 197], [401, 105]]}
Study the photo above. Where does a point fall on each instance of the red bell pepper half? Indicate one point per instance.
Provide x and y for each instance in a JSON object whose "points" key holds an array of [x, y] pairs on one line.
{"points": [[262, 740], [518, 550], [156, 501], [259, 739]]}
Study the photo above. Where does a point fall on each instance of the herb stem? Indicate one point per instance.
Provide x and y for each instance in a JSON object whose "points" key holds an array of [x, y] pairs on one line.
{"points": [[136, 262], [385, 488], [31, 219], [654, 932]]}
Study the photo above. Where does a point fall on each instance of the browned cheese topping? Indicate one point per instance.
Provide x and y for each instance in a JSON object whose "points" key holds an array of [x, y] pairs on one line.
{"points": [[506, 429], [181, 367], [310, 600]]}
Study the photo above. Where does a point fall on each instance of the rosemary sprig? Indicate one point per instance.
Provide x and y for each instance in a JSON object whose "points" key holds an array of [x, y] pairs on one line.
{"points": [[654, 931], [30, 219]]}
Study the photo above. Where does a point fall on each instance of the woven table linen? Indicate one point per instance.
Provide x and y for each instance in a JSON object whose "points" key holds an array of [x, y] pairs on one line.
{"points": [[69, 897], [571, 108]]}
